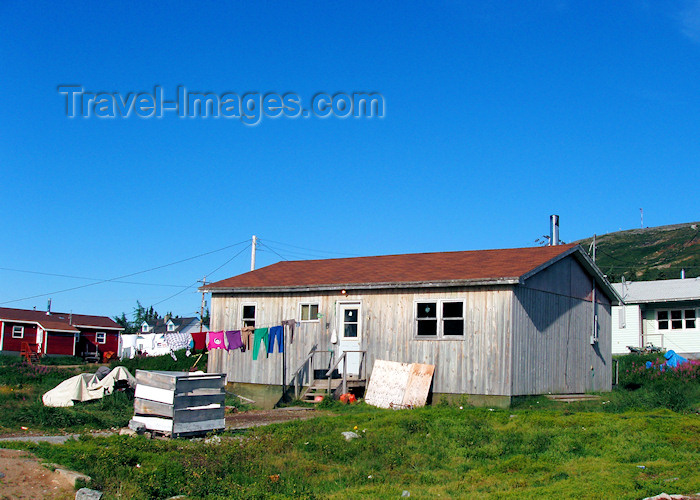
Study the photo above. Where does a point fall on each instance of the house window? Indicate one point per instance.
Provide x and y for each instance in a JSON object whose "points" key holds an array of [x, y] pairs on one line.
{"points": [[309, 312], [171, 327], [17, 332], [248, 315], [144, 327], [426, 319], [690, 318], [101, 337], [440, 319], [453, 319], [676, 319]]}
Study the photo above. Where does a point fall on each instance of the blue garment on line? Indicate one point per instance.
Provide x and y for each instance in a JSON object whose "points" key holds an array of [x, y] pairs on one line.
{"points": [[276, 332]]}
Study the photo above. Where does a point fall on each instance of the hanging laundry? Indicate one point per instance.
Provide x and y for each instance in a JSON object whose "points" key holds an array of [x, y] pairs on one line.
{"points": [[246, 337], [199, 340], [178, 340], [234, 340], [276, 332], [291, 323], [216, 340], [260, 334]]}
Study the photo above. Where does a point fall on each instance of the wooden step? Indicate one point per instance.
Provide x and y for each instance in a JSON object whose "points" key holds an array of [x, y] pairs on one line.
{"points": [[572, 398]]}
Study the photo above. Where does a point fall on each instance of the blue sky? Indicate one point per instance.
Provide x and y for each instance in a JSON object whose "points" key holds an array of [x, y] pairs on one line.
{"points": [[497, 115]]}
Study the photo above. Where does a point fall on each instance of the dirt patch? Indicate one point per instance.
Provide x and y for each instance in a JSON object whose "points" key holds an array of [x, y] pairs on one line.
{"points": [[255, 418], [24, 477]]}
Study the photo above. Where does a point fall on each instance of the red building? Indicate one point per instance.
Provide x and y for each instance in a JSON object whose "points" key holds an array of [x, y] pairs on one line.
{"points": [[58, 333]]}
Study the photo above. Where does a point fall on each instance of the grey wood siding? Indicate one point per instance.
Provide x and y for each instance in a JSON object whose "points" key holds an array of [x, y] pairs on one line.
{"points": [[552, 326], [524, 339], [477, 364]]}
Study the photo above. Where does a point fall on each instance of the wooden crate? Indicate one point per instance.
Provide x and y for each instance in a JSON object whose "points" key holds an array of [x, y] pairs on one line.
{"points": [[180, 403]]}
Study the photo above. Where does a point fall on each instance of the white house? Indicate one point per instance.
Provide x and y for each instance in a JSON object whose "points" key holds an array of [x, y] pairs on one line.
{"points": [[664, 313], [152, 338]]}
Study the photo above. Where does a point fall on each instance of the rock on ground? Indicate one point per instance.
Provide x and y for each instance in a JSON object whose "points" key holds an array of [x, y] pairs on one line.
{"points": [[88, 494]]}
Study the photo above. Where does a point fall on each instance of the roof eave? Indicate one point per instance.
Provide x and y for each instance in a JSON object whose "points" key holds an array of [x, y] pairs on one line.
{"points": [[583, 259], [100, 327], [661, 300], [365, 286]]}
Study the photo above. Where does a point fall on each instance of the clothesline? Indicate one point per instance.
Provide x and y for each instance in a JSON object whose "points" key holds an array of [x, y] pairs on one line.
{"points": [[232, 340]]}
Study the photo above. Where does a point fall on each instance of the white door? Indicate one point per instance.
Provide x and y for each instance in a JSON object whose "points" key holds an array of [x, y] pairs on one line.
{"points": [[350, 336]]}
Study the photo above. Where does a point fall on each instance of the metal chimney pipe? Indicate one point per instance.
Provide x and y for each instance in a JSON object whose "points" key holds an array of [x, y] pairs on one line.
{"points": [[554, 230], [48, 308], [682, 274]]}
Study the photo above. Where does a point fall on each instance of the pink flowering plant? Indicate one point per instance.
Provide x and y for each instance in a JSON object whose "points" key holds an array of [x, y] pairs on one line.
{"points": [[648, 382]]}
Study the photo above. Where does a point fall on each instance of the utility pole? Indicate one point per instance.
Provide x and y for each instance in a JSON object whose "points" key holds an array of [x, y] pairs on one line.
{"points": [[594, 248], [641, 213], [201, 313], [252, 254]]}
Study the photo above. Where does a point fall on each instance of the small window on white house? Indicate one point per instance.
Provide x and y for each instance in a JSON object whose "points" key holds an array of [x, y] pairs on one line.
{"points": [[309, 312], [17, 332], [248, 315], [101, 337], [171, 326], [440, 319], [144, 327], [662, 318], [677, 319]]}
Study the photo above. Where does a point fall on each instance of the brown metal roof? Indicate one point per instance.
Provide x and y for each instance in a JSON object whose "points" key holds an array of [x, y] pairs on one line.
{"points": [[479, 265], [56, 320]]}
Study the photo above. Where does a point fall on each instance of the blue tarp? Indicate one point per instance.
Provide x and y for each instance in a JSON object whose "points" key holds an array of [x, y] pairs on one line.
{"points": [[673, 360]]}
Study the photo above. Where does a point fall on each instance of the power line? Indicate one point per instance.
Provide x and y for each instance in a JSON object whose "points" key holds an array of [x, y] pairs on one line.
{"points": [[127, 275], [208, 274], [86, 278], [313, 249], [272, 250]]}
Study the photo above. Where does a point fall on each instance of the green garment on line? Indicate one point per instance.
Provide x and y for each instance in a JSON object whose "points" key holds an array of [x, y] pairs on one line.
{"points": [[258, 335]]}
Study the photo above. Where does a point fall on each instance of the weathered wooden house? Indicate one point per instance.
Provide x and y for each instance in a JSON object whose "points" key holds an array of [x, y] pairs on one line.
{"points": [[495, 323]]}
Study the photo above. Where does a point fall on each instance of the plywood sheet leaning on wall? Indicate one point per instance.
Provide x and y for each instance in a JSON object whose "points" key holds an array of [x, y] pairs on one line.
{"points": [[399, 385]]}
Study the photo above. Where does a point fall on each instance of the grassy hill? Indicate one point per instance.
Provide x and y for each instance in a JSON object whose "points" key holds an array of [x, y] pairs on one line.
{"points": [[653, 253]]}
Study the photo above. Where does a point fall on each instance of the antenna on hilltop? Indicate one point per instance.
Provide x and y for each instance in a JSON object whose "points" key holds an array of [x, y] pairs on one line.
{"points": [[641, 215]]}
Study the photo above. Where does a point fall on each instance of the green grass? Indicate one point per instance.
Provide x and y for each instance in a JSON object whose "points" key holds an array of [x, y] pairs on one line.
{"points": [[22, 385], [21, 388], [430, 452], [639, 440]]}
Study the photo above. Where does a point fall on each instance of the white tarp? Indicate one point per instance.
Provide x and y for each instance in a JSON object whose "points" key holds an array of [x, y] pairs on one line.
{"points": [[86, 387]]}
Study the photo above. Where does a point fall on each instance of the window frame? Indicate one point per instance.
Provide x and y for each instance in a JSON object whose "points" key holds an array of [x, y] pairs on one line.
{"points": [[170, 326], [309, 304], [440, 318], [670, 320], [255, 314], [21, 331], [97, 337]]}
